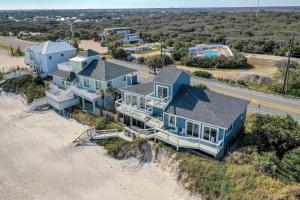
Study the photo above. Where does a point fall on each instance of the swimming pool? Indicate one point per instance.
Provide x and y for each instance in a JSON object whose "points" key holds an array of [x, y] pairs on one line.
{"points": [[211, 53]]}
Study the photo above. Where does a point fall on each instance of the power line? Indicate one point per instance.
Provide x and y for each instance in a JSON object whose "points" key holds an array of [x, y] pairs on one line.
{"points": [[286, 76]]}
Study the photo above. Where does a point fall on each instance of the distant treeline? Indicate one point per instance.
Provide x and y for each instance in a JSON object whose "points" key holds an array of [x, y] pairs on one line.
{"points": [[268, 33]]}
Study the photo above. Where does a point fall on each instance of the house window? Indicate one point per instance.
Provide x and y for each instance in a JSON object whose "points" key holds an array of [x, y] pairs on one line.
{"points": [[172, 120], [109, 84], [98, 85], [193, 129], [131, 100], [142, 103], [86, 82], [210, 134], [162, 92], [50, 57], [124, 78], [62, 55]]}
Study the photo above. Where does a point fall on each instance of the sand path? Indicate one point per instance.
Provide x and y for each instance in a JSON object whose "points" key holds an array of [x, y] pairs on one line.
{"points": [[37, 161]]}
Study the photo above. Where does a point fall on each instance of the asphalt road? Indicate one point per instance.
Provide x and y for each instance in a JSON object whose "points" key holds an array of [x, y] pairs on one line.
{"points": [[259, 102]]}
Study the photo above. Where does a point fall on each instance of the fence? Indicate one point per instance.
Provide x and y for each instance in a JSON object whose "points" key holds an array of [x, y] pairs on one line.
{"points": [[15, 74]]}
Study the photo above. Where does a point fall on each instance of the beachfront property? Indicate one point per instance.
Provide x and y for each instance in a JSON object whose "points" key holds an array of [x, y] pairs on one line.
{"points": [[79, 82], [213, 50], [129, 35], [44, 58], [169, 109]]}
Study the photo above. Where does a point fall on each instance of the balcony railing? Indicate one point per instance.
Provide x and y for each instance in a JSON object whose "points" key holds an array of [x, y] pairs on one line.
{"points": [[157, 102], [89, 94]]}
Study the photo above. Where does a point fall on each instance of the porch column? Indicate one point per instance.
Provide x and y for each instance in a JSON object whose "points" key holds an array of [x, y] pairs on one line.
{"points": [[83, 104], [130, 121], [94, 111]]}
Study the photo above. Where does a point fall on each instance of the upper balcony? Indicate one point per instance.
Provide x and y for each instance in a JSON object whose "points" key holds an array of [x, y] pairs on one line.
{"points": [[83, 92]]}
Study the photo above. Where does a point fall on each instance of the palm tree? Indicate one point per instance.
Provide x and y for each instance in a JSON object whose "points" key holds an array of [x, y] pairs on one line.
{"points": [[102, 93], [115, 92]]}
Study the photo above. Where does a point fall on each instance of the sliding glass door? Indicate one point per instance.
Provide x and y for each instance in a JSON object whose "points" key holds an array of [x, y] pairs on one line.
{"points": [[193, 129]]}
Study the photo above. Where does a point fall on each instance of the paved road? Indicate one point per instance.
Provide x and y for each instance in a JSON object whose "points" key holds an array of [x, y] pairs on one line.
{"points": [[260, 102], [7, 41]]}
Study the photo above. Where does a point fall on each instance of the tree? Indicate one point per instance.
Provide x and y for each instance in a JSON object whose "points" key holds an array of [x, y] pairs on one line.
{"points": [[115, 92], [102, 93], [75, 43], [155, 62], [120, 54]]}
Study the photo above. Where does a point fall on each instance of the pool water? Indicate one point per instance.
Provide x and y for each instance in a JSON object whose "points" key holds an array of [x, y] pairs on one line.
{"points": [[211, 53]]}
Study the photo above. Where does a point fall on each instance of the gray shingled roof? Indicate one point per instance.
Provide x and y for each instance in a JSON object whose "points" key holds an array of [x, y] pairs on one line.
{"points": [[104, 70], [141, 89], [65, 75], [168, 75], [206, 106], [88, 53]]}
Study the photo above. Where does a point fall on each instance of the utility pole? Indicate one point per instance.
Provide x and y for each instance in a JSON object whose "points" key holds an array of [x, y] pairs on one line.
{"points": [[286, 75], [161, 52], [257, 9]]}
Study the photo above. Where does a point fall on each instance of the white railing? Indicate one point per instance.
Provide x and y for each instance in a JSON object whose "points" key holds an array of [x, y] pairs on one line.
{"points": [[157, 102], [37, 102], [15, 74], [84, 92], [189, 142]]}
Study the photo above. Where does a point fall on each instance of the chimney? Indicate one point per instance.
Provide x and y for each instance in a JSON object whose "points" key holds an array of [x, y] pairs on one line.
{"points": [[103, 58]]}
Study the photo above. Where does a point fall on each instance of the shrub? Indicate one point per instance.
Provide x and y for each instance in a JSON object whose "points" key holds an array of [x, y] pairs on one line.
{"points": [[119, 53], [203, 74], [31, 87], [276, 132], [122, 149]]}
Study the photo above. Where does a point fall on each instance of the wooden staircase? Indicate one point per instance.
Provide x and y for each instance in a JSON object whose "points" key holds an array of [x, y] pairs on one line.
{"points": [[84, 137]]}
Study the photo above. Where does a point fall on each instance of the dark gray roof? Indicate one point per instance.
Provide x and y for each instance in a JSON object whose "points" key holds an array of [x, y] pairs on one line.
{"points": [[88, 53], [103, 70], [66, 75], [141, 89], [168, 75], [206, 106]]}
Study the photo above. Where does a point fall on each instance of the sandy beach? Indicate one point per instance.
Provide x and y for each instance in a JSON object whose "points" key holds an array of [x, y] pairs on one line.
{"points": [[37, 161], [9, 63]]}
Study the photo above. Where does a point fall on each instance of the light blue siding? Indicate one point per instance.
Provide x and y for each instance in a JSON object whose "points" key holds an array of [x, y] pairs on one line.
{"points": [[157, 111], [183, 79], [180, 123]]}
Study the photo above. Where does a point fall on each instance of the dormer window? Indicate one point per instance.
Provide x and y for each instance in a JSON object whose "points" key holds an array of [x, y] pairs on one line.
{"points": [[62, 55], [162, 91], [50, 57]]}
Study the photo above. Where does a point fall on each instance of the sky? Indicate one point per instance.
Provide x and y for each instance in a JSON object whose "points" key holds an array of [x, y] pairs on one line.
{"points": [[83, 4]]}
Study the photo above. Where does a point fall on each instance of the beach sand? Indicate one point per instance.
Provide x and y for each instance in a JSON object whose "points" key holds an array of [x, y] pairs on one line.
{"points": [[37, 161]]}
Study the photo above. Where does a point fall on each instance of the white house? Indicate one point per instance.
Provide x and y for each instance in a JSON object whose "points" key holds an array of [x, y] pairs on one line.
{"points": [[43, 58], [79, 81], [128, 33]]}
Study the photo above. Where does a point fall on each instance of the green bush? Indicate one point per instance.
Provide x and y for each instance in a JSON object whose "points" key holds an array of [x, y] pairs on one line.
{"points": [[31, 87], [121, 149], [276, 133], [203, 74]]}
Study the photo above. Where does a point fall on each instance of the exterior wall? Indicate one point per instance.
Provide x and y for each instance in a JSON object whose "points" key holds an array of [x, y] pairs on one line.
{"points": [[119, 82], [157, 111], [183, 79], [236, 127], [58, 81], [50, 65], [181, 124], [132, 80]]}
